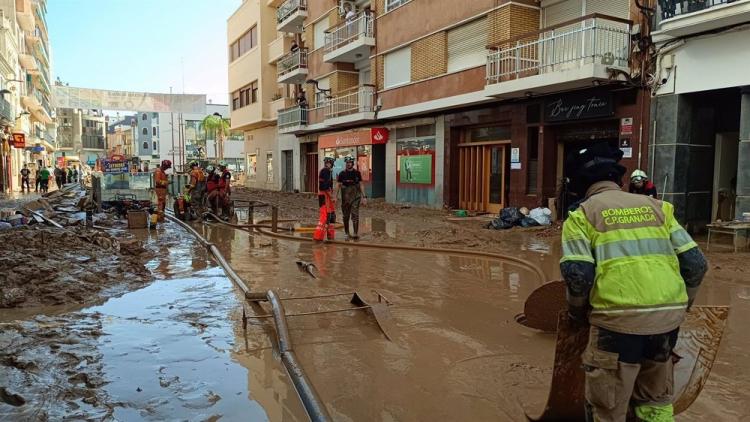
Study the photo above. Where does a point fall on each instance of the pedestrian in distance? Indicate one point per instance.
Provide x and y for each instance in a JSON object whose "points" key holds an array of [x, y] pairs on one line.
{"points": [[640, 184], [197, 187], [70, 174], [37, 181], [326, 202], [44, 179], [632, 272], [58, 176], [25, 173], [352, 195], [75, 175]]}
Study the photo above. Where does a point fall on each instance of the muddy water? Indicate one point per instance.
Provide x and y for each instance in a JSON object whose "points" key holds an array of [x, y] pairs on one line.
{"points": [[457, 353]]}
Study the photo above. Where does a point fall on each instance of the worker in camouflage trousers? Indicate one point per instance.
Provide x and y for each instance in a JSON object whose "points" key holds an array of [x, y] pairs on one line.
{"points": [[352, 194]]}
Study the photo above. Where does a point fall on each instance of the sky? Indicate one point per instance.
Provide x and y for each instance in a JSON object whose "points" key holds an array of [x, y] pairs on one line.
{"points": [[142, 45]]}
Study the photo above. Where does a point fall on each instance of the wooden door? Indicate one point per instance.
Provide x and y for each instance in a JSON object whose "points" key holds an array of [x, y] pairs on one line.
{"points": [[482, 176], [311, 172]]}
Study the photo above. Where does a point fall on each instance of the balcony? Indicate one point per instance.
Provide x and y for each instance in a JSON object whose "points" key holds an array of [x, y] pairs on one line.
{"points": [[25, 15], [28, 62], [684, 17], [278, 47], [292, 119], [355, 106], [350, 41], [6, 110], [292, 68], [277, 105], [291, 15], [570, 55]]}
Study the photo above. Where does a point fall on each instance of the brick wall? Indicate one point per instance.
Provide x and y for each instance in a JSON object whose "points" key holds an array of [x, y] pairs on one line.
{"points": [[343, 81], [379, 73], [379, 6], [511, 21], [429, 56]]}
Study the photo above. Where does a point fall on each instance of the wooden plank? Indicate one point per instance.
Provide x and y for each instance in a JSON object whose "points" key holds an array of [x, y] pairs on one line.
{"points": [[502, 179]]}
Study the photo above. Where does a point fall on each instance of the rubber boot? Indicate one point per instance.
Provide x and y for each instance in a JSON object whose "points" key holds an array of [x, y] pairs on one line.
{"points": [[320, 230], [355, 223], [346, 225]]}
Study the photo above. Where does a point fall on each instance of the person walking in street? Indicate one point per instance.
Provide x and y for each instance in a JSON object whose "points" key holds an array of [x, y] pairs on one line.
{"points": [[37, 181], [25, 173], [43, 176], [161, 183], [640, 184], [633, 272], [326, 202], [352, 194], [58, 176], [70, 175], [75, 175], [225, 190]]}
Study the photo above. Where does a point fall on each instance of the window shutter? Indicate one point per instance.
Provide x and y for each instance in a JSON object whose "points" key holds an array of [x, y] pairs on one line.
{"points": [[398, 67], [319, 29], [563, 11], [616, 8], [467, 45]]}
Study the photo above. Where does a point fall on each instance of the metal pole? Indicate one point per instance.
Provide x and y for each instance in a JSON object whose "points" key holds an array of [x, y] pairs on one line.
{"points": [[172, 126]]}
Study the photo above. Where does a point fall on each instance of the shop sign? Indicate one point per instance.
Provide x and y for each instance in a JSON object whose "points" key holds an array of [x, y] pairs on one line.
{"points": [[626, 126], [416, 169], [117, 157], [626, 148], [369, 136], [61, 162], [37, 149], [578, 105], [19, 140], [114, 167]]}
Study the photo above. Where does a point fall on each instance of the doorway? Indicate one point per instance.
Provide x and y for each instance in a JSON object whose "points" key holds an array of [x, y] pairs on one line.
{"points": [[287, 183], [725, 176], [564, 148], [311, 172], [483, 176]]}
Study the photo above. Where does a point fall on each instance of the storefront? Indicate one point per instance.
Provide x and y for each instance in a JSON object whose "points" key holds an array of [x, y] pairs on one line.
{"points": [[367, 146], [514, 154]]}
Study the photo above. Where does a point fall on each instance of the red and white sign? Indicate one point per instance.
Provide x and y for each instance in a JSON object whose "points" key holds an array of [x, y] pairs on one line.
{"points": [[626, 126], [370, 136], [117, 157], [19, 140]]}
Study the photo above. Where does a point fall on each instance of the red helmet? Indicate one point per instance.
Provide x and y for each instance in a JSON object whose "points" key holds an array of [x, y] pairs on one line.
{"points": [[166, 164]]}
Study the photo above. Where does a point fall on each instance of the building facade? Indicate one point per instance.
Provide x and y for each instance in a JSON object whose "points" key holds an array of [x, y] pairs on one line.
{"points": [[82, 136], [474, 108], [255, 47], [701, 108], [121, 135], [25, 74]]}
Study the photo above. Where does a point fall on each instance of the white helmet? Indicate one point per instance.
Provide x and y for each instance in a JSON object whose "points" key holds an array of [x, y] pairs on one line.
{"points": [[638, 176]]}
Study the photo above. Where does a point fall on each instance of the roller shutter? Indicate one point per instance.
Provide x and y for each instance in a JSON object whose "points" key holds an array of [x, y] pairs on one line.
{"points": [[467, 45]]}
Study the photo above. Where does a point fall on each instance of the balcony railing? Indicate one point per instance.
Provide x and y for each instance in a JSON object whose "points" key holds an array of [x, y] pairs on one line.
{"points": [[292, 117], [292, 61], [288, 8], [672, 8], [347, 32], [359, 100], [591, 39]]}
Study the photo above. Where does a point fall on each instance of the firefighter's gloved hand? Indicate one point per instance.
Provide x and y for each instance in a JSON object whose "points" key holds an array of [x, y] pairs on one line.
{"points": [[578, 316]]}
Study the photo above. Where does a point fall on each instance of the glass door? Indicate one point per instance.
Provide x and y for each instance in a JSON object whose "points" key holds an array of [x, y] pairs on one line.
{"points": [[494, 177]]}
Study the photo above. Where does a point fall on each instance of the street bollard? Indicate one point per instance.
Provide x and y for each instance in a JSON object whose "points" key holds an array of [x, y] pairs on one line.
{"points": [[250, 214]]}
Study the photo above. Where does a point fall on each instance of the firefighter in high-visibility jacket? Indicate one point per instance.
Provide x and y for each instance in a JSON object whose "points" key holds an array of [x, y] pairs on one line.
{"points": [[632, 272], [161, 183], [326, 202]]}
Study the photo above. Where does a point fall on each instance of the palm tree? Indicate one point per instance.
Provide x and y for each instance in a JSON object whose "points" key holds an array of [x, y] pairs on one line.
{"points": [[218, 126]]}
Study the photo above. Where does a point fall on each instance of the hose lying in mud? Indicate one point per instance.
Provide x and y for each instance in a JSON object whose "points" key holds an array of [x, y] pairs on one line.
{"points": [[310, 399]]}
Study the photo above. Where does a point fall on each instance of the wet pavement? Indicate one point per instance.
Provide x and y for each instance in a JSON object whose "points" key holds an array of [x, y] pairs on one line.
{"points": [[176, 350]]}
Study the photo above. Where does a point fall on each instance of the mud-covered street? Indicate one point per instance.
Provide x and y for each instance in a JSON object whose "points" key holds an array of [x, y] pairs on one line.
{"points": [[173, 347]]}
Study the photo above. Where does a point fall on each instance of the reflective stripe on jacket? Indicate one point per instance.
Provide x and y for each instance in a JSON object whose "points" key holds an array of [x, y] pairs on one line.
{"points": [[634, 241]]}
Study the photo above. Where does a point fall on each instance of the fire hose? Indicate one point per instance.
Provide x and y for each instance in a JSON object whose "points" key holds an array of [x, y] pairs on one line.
{"points": [[310, 399]]}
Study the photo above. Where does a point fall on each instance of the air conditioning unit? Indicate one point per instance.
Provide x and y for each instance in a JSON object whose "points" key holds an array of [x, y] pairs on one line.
{"points": [[608, 59], [343, 5]]}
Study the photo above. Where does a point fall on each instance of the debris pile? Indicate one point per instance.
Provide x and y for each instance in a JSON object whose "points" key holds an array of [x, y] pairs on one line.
{"points": [[512, 216]]}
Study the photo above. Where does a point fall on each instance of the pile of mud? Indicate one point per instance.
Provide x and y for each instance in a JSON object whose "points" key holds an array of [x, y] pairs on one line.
{"points": [[51, 369], [50, 266]]}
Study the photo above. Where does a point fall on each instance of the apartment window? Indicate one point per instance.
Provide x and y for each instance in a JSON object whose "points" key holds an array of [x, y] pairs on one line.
{"points": [[398, 67], [245, 96], [145, 131], [245, 43], [393, 4], [154, 115], [319, 31], [155, 146], [269, 167], [144, 117], [145, 145], [466, 45], [153, 131]]}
